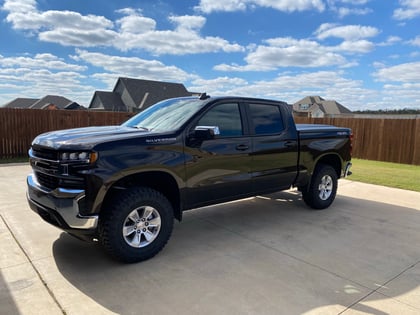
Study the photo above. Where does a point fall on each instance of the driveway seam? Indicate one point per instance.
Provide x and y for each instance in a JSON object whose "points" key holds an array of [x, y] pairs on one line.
{"points": [[383, 285], [44, 283], [372, 291]]}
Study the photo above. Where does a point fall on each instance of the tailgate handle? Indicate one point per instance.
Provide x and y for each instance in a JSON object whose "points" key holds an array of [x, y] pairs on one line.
{"points": [[242, 147]]}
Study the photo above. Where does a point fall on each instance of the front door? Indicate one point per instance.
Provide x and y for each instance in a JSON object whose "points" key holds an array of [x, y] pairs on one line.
{"points": [[219, 169]]}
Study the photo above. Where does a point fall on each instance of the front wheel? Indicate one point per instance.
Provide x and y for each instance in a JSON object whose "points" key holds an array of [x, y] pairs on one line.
{"points": [[322, 189], [136, 225]]}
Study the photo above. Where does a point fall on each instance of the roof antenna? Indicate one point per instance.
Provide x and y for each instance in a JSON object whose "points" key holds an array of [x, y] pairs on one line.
{"points": [[204, 96]]}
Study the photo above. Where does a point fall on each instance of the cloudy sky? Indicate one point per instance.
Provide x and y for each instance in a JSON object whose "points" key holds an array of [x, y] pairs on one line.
{"points": [[363, 53]]}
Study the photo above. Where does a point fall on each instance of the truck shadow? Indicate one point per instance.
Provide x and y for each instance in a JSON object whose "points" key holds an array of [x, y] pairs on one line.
{"points": [[266, 255]]}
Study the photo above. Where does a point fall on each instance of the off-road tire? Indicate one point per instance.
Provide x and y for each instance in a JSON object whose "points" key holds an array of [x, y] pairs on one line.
{"points": [[114, 217], [321, 191]]}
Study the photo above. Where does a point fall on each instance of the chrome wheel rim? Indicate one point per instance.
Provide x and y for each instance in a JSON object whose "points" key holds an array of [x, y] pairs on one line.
{"points": [[141, 226], [325, 188]]}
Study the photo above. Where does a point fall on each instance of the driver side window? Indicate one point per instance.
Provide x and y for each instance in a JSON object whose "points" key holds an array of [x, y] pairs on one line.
{"points": [[225, 116]]}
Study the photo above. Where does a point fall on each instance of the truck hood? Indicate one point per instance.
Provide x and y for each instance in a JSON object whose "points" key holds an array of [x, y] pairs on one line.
{"points": [[86, 138]]}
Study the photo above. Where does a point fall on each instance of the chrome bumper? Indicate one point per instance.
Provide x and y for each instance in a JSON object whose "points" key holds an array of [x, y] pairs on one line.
{"points": [[60, 205]]}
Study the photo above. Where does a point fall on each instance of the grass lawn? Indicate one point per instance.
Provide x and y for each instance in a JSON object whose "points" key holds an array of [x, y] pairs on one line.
{"points": [[386, 174], [14, 160]]}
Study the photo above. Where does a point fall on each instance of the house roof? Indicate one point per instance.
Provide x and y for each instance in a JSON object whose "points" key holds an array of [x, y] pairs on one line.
{"points": [[74, 105], [333, 107], [21, 103], [313, 103], [59, 101], [109, 101], [146, 92]]}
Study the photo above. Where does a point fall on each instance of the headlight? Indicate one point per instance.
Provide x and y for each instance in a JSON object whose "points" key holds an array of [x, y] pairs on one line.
{"points": [[86, 157]]}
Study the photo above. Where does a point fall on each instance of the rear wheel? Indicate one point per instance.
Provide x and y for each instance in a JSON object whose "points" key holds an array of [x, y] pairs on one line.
{"points": [[323, 187], [136, 225]]}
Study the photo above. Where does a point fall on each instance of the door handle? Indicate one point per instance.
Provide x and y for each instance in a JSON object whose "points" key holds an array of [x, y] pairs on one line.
{"points": [[290, 144], [242, 147]]}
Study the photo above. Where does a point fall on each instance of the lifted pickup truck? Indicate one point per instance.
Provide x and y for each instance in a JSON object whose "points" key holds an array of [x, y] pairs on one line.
{"points": [[124, 185]]}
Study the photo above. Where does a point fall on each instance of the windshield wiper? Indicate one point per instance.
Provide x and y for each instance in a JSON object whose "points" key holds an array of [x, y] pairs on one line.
{"points": [[141, 128]]}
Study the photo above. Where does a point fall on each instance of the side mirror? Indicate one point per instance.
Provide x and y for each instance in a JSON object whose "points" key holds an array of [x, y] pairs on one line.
{"points": [[202, 133], [206, 132]]}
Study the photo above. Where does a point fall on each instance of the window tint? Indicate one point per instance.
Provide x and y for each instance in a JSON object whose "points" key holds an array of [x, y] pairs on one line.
{"points": [[225, 116], [266, 119]]}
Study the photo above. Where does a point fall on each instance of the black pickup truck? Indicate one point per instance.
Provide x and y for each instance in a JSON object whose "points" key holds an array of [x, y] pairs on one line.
{"points": [[124, 185]]}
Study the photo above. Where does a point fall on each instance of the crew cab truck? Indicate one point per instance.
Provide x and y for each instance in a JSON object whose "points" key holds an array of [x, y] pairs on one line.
{"points": [[124, 185]]}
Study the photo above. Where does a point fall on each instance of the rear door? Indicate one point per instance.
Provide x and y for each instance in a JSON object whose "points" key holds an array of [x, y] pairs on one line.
{"points": [[274, 147], [219, 169]]}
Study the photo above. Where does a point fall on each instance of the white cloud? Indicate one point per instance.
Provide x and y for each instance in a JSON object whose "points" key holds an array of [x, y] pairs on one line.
{"points": [[185, 39], [209, 6], [415, 41], [39, 61], [42, 74], [36, 83], [286, 52], [291, 87], [342, 12], [348, 32], [215, 85], [353, 2], [355, 46], [406, 72], [409, 9], [133, 66], [134, 23], [132, 31], [391, 40]]}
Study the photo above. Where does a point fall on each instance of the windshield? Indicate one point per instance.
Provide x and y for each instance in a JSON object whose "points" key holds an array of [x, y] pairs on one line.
{"points": [[167, 115]]}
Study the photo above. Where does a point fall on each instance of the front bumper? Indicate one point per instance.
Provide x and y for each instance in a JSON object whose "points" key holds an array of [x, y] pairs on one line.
{"points": [[347, 171], [60, 207]]}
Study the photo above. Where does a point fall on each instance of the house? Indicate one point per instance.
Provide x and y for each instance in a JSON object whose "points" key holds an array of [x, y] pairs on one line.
{"points": [[47, 102], [21, 103], [316, 106], [134, 95], [109, 101]]}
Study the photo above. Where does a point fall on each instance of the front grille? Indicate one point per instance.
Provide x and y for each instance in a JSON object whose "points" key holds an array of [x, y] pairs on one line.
{"points": [[46, 180], [47, 154], [52, 174]]}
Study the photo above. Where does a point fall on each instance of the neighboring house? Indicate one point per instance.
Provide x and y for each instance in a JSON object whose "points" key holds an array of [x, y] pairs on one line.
{"points": [[21, 103], [47, 102], [108, 101], [316, 106], [51, 101], [134, 95]]}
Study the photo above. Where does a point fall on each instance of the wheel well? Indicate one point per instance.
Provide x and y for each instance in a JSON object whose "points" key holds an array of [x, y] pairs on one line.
{"points": [[159, 181], [333, 160]]}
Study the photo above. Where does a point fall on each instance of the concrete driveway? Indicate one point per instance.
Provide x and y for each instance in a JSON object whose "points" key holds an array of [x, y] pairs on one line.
{"points": [[264, 255]]}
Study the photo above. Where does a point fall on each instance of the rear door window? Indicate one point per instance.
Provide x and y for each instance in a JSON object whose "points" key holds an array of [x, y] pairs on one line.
{"points": [[266, 119]]}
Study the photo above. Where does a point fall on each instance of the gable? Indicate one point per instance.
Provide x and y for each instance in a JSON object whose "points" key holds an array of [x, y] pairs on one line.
{"points": [[59, 101], [139, 94], [109, 101]]}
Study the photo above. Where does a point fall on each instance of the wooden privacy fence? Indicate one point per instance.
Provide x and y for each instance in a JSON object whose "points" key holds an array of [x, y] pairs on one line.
{"points": [[18, 127], [380, 139]]}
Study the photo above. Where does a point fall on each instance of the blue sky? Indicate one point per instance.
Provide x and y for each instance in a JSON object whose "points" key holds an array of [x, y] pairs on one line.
{"points": [[363, 53]]}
